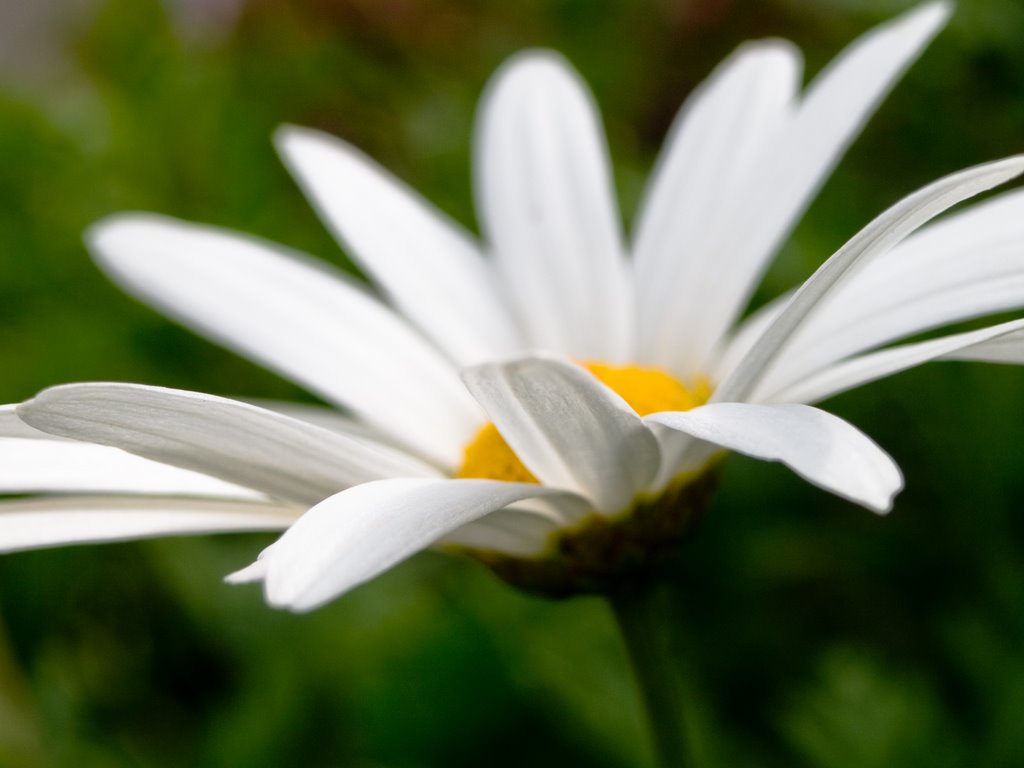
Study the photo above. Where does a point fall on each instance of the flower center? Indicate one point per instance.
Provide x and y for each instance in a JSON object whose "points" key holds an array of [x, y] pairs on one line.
{"points": [[646, 390], [602, 553]]}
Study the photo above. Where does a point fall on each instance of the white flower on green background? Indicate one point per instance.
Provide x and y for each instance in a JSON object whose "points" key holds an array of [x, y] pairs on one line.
{"points": [[554, 399]]}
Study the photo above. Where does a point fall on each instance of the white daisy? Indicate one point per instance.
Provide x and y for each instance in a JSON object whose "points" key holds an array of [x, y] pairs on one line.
{"points": [[540, 400]]}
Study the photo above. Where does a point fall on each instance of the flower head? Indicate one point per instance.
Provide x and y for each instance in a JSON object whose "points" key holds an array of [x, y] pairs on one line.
{"points": [[554, 399]]}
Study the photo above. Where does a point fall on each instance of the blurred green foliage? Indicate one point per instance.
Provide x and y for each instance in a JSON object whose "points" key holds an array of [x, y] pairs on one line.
{"points": [[816, 634]]}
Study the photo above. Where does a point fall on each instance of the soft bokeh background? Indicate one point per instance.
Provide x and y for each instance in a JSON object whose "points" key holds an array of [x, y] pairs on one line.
{"points": [[817, 634]]}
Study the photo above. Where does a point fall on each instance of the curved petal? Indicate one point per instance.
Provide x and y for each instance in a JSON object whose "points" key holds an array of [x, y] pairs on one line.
{"points": [[570, 430], [427, 264], [968, 265], [362, 532], [299, 318], [873, 240], [33, 465], [777, 184], [237, 442], [520, 532], [325, 417], [690, 205], [682, 455], [546, 202], [40, 523], [823, 449], [1003, 343], [1006, 348]]}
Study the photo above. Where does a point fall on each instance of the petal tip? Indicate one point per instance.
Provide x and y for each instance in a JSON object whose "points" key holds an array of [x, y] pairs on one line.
{"points": [[288, 138], [1016, 162], [123, 235], [104, 232], [33, 411], [535, 60], [286, 597], [882, 508], [778, 49], [238, 577], [46, 411], [935, 14], [528, 72], [923, 21], [883, 505]]}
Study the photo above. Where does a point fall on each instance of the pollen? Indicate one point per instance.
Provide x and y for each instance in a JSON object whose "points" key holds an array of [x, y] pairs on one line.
{"points": [[651, 390], [645, 390]]}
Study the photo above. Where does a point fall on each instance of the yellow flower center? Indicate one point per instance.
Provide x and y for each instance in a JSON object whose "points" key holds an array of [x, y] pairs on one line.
{"points": [[646, 390]]}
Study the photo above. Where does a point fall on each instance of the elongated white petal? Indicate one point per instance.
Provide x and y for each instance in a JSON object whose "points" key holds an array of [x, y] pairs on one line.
{"points": [[237, 442], [806, 360], [689, 209], [820, 447], [570, 430], [328, 418], [427, 264], [878, 236], [546, 204], [1007, 348], [835, 108], [725, 263], [967, 265], [1002, 343], [359, 533], [33, 465], [297, 317], [39, 523]]}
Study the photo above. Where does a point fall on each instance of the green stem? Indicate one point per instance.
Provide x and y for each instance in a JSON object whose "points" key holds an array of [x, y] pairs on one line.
{"points": [[645, 623]]}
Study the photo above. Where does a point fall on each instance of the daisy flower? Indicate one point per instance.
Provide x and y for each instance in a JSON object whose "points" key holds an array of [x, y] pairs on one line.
{"points": [[552, 399]]}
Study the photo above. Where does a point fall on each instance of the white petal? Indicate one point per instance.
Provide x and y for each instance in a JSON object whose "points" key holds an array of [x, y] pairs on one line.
{"points": [[510, 531], [328, 418], [820, 447], [359, 533], [681, 455], [523, 529], [38, 523], [1007, 348], [299, 318], [877, 237], [427, 264], [237, 442], [724, 265], [570, 430], [546, 203], [12, 426], [967, 265], [1002, 343], [256, 571], [33, 465], [564, 511], [689, 208]]}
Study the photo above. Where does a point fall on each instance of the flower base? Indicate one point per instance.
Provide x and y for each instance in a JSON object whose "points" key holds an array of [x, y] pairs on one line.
{"points": [[602, 555]]}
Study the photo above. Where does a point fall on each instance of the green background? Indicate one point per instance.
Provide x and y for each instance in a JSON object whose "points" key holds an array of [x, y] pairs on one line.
{"points": [[816, 633]]}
